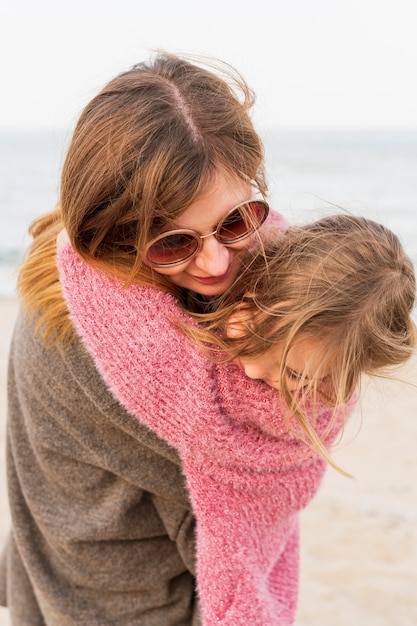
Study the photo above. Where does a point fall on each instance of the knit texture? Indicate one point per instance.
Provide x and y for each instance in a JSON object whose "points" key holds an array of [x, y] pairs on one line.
{"points": [[102, 528], [247, 471]]}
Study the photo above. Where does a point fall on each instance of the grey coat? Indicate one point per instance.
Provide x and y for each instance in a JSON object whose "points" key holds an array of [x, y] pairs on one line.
{"points": [[102, 528]]}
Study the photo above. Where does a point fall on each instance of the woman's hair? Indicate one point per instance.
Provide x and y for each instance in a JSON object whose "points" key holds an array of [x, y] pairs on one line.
{"points": [[344, 281], [144, 149]]}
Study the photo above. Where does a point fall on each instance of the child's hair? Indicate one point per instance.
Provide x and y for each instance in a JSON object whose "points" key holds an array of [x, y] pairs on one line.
{"points": [[144, 149], [343, 280]]}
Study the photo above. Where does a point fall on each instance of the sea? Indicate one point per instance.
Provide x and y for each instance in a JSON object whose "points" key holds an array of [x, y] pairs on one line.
{"points": [[311, 173]]}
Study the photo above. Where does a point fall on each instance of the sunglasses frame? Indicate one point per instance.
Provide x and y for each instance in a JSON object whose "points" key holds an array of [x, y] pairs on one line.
{"points": [[199, 238]]}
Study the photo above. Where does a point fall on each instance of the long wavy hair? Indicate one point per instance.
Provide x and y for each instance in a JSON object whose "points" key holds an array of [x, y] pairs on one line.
{"points": [[344, 282], [143, 150]]}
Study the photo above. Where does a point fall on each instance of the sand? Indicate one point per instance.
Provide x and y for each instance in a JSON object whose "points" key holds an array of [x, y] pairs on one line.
{"points": [[359, 537]]}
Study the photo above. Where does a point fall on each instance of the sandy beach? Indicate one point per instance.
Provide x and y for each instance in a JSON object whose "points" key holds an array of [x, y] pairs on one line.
{"points": [[359, 537]]}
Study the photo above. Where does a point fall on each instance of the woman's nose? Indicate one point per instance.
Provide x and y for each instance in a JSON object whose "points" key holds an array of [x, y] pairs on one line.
{"points": [[213, 258]]}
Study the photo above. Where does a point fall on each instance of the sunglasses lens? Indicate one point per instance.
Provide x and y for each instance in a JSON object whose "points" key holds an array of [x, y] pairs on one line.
{"points": [[177, 247], [243, 221], [172, 249]]}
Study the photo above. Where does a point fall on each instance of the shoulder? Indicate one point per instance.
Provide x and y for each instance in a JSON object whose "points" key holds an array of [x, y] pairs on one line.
{"points": [[81, 281], [60, 389], [277, 220]]}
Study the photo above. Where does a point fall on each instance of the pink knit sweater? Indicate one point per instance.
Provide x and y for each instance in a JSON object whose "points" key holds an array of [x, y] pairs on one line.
{"points": [[247, 473]]}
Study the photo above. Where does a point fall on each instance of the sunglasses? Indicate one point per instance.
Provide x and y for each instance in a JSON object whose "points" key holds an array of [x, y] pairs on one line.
{"points": [[180, 245]]}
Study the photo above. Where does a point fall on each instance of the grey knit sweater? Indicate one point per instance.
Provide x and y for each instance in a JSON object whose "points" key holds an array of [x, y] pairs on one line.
{"points": [[102, 528]]}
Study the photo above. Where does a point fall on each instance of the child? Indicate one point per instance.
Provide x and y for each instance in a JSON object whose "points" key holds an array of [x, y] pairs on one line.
{"points": [[319, 306]]}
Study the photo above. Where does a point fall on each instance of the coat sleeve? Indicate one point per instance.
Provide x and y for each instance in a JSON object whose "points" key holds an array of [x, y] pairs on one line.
{"points": [[102, 523]]}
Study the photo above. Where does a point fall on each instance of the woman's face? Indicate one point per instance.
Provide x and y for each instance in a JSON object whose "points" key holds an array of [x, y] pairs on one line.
{"points": [[215, 266]]}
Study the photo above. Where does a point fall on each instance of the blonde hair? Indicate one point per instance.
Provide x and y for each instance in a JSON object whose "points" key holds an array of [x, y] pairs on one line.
{"points": [[144, 149], [343, 280]]}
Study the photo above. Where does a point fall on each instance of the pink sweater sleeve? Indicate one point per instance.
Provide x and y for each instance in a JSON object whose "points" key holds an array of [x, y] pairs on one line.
{"points": [[154, 370], [247, 475], [277, 220]]}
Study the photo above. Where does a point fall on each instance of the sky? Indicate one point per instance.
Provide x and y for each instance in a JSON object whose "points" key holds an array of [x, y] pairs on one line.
{"points": [[321, 64]]}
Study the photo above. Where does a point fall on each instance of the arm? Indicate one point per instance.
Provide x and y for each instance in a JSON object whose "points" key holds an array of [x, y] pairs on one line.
{"points": [[157, 372], [247, 548]]}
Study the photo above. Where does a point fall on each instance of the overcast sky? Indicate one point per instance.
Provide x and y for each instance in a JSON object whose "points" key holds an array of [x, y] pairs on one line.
{"points": [[312, 63]]}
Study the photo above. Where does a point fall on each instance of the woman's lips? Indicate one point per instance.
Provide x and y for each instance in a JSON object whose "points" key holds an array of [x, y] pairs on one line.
{"points": [[211, 280]]}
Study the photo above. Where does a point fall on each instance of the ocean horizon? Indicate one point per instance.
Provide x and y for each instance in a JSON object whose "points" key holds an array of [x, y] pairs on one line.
{"points": [[310, 172]]}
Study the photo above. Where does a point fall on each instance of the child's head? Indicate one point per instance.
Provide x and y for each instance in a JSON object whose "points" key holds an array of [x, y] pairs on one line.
{"points": [[341, 288], [321, 305]]}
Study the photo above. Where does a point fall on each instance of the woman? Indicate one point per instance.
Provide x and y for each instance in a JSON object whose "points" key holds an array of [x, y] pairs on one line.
{"points": [[103, 531]]}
